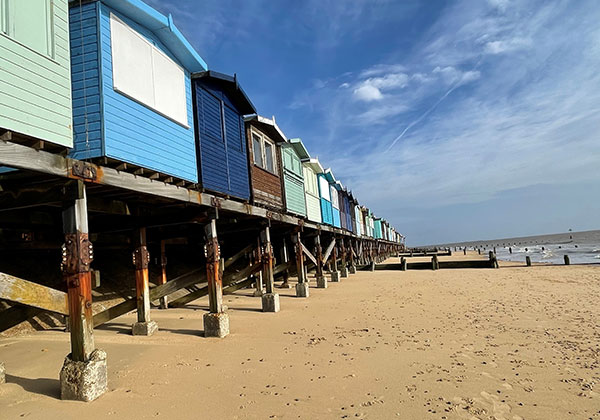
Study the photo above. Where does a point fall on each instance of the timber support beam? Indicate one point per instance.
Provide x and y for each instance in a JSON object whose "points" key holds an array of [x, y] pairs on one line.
{"points": [[270, 300], [141, 260], [216, 322], [83, 376]]}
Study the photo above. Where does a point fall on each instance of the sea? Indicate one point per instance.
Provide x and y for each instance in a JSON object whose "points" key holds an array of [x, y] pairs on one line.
{"points": [[581, 247]]}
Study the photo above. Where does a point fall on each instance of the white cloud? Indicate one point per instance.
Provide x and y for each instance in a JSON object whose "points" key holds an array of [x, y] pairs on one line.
{"points": [[379, 69], [367, 92], [507, 45]]}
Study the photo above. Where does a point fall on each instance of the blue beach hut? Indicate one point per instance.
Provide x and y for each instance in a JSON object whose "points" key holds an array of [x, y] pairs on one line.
{"points": [[132, 99], [325, 196], [219, 105]]}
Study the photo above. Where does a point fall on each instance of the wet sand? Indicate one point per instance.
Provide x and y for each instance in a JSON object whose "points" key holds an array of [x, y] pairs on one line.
{"points": [[513, 343]]}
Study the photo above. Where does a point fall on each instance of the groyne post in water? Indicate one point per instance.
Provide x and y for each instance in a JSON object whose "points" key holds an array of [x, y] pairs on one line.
{"points": [[528, 261], [510, 250]]}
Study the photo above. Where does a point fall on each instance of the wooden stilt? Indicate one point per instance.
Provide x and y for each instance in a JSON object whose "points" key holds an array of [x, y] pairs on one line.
{"points": [[285, 258], [321, 281], [297, 240], [344, 270], [164, 301], [216, 322], [213, 273], [141, 260], [77, 255], [83, 376], [267, 259], [270, 300]]}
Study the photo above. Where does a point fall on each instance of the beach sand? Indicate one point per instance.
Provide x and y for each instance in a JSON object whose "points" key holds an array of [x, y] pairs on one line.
{"points": [[513, 343]]}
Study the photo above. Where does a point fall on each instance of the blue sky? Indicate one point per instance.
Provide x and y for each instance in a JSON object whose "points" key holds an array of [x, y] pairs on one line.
{"points": [[454, 120]]}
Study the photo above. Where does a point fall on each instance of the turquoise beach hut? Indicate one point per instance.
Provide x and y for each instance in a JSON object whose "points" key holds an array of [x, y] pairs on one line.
{"points": [[292, 153], [35, 71]]}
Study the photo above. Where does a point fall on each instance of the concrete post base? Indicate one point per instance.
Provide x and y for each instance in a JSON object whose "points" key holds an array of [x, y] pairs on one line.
{"points": [[322, 282], [352, 269], [285, 285], [270, 302], [302, 290], [2, 373], [344, 272], [335, 276], [216, 325], [372, 266], [144, 328], [84, 381]]}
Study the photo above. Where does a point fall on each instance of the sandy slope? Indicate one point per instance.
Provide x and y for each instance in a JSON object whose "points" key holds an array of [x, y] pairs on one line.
{"points": [[513, 343]]}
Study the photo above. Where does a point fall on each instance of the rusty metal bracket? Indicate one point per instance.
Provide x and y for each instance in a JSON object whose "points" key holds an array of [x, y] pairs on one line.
{"points": [[141, 258], [84, 170], [77, 253]]}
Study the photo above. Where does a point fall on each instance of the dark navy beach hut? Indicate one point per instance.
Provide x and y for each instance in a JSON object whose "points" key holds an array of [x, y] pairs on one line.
{"points": [[132, 97], [220, 104]]}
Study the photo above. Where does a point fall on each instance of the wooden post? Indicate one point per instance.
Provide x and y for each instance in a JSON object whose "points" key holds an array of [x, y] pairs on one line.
{"points": [[77, 255], [267, 259], [567, 260], [297, 240], [83, 376], [286, 259], [164, 303], [270, 300], [527, 261], [321, 280], [141, 259], [213, 272], [435, 265], [403, 265], [344, 271], [302, 289], [335, 274], [216, 322]]}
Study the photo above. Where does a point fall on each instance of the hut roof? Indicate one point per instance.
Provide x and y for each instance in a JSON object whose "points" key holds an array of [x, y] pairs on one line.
{"points": [[300, 148], [230, 85], [314, 164], [269, 126]]}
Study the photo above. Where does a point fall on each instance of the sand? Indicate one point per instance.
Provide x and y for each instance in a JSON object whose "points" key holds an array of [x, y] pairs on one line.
{"points": [[513, 343]]}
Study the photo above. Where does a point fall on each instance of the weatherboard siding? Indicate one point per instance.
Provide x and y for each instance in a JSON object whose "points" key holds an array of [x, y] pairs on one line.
{"points": [[135, 133], [35, 90], [293, 181], [223, 162], [85, 81]]}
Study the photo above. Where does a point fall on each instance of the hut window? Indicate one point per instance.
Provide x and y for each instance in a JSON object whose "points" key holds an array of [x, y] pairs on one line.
{"points": [[269, 156], [264, 152], [257, 148], [145, 74], [30, 23]]}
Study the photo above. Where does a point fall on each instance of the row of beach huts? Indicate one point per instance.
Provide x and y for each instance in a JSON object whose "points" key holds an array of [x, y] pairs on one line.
{"points": [[115, 81]]}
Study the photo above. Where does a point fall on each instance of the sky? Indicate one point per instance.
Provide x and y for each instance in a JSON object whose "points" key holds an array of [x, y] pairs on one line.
{"points": [[453, 120]]}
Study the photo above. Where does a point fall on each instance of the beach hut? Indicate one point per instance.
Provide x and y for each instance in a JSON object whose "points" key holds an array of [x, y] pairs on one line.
{"points": [[219, 106], [357, 217], [35, 71], [312, 168], [348, 210], [292, 153], [264, 159], [325, 196], [343, 220], [335, 198], [377, 228], [132, 98]]}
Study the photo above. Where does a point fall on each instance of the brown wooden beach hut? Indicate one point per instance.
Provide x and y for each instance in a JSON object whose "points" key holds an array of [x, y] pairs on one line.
{"points": [[264, 138]]}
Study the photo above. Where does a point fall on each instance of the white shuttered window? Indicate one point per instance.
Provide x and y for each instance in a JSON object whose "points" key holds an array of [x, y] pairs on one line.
{"points": [[146, 74]]}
